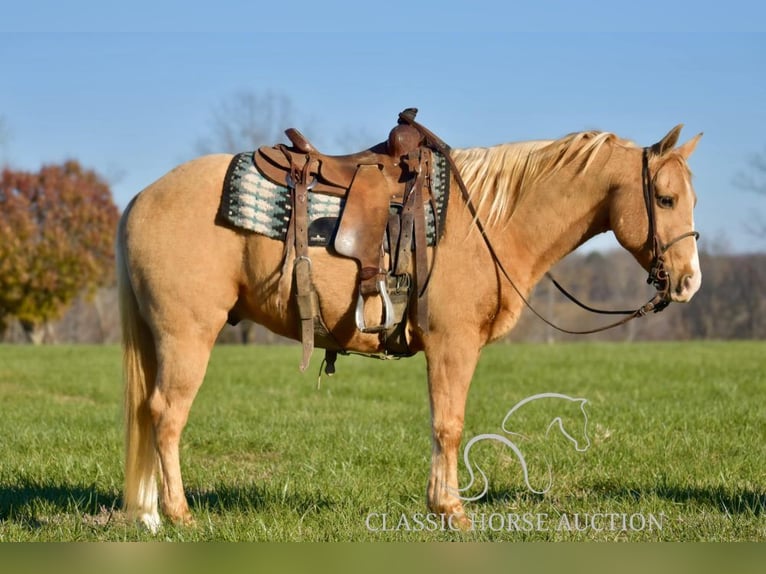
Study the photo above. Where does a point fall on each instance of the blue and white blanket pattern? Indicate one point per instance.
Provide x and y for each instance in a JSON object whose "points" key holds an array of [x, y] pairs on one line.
{"points": [[254, 203]]}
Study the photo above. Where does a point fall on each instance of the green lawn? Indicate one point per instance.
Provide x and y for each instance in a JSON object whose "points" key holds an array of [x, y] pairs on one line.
{"points": [[677, 434]]}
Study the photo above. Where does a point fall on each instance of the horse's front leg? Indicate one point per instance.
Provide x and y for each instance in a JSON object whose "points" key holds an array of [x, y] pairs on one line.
{"points": [[451, 363]]}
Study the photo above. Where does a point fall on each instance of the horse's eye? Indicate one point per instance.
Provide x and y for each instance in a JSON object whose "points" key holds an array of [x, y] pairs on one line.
{"points": [[665, 201]]}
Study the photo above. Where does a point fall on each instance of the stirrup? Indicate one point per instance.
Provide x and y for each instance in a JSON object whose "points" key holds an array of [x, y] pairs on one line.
{"points": [[388, 308]]}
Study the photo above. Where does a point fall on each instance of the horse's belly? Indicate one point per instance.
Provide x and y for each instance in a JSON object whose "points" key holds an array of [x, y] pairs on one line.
{"points": [[269, 297]]}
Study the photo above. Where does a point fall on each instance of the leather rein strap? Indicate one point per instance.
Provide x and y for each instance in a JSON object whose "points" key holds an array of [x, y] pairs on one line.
{"points": [[658, 275]]}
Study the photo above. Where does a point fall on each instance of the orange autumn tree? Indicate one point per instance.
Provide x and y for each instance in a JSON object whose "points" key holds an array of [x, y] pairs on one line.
{"points": [[57, 229]]}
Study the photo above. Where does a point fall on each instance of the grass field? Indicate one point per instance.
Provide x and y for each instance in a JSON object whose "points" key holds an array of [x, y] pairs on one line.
{"points": [[677, 434]]}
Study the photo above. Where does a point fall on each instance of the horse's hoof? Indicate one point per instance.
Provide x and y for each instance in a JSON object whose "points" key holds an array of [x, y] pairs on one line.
{"points": [[150, 521], [460, 522], [183, 520], [455, 515]]}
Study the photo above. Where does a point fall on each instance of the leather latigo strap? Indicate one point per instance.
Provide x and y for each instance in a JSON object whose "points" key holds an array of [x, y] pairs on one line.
{"points": [[304, 285], [421, 271]]}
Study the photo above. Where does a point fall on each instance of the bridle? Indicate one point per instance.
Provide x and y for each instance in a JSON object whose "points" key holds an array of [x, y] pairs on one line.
{"points": [[658, 275]]}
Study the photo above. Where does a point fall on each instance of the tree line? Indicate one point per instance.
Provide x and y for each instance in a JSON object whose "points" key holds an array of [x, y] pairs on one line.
{"points": [[729, 305]]}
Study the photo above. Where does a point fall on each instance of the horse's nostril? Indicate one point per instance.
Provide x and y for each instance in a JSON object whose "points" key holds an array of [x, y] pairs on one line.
{"points": [[684, 284]]}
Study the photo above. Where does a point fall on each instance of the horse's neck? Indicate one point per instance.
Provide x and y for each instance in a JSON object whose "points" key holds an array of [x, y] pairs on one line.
{"points": [[555, 217]]}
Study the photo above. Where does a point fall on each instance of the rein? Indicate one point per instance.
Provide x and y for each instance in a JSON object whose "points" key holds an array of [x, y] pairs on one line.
{"points": [[658, 275]]}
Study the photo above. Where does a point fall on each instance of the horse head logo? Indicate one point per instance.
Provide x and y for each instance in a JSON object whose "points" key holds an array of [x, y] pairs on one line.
{"points": [[567, 420]]}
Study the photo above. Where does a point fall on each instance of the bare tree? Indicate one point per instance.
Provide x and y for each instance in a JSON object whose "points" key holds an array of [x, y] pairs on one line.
{"points": [[246, 121], [754, 180], [350, 140], [243, 122]]}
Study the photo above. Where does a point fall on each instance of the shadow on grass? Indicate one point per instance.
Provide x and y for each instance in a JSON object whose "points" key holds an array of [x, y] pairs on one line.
{"points": [[24, 501], [726, 500], [519, 495], [224, 498]]}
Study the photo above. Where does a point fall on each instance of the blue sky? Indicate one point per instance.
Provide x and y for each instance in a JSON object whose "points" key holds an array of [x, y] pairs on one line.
{"points": [[133, 98]]}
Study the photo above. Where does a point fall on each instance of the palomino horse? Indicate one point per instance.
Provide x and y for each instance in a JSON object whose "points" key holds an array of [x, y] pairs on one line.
{"points": [[181, 275]]}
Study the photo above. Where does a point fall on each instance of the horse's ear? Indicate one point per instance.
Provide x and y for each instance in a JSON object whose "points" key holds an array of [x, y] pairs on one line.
{"points": [[666, 144], [687, 149]]}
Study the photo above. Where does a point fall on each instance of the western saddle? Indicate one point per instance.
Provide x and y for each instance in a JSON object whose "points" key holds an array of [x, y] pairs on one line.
{"points": [[385, 190]]}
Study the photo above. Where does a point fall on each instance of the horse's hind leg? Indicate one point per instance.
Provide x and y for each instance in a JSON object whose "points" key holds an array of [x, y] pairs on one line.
{"points": [[182, 361]]}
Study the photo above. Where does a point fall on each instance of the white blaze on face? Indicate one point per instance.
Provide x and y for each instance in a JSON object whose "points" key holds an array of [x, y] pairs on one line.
{"points": [[696, 279], [691, 281]]}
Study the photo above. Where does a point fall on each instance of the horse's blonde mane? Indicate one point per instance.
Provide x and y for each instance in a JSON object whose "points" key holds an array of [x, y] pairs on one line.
{"points": [[498, 177]]}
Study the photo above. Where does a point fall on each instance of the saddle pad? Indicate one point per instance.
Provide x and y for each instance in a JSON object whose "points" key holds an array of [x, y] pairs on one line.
{"points": [[251, 202]]}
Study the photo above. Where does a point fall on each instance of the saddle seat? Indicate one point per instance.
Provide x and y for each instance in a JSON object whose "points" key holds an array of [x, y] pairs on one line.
{"points": [[334, 174]]}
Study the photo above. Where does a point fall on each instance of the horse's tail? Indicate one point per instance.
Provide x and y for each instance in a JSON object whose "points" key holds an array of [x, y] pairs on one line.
{"points": [[139, 363]]}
